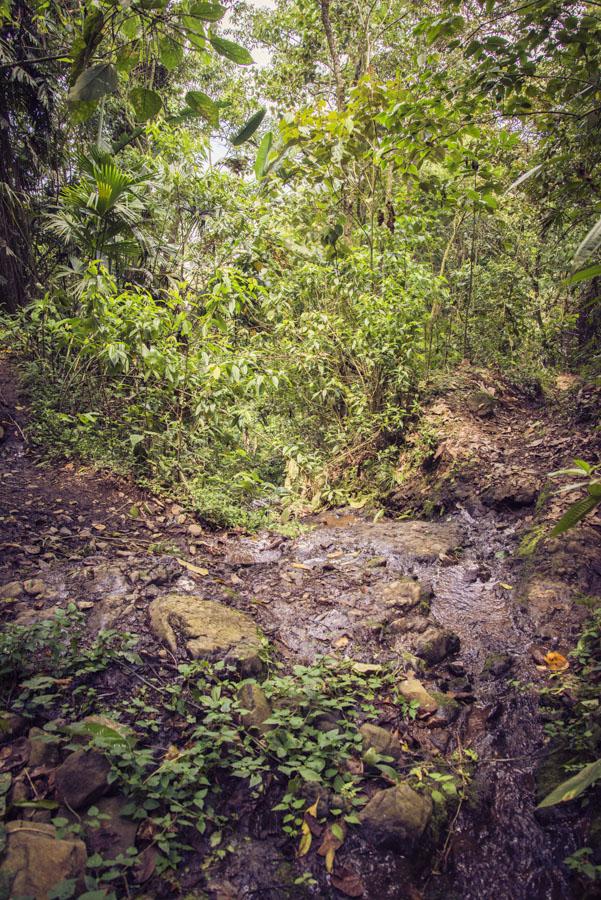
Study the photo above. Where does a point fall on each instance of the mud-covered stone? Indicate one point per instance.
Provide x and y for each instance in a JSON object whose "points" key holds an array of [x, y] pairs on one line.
{"points": [[43, 751], [397, 815], [405, 595], [412, 689], [82, 778], [481, 404], [208, 629], [11, 591], [36, 861], [435, 644], [34, 587], [497, 664], [11, 725], [252, 698], [380, 740], [116, 833]]}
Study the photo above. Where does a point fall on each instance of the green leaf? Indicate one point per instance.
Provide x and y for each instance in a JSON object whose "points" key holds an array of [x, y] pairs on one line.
{"points": [[202, 105], [249, 128], [523, 178], [262, 154], [575, 514], [171, 52], [95, 82], [589, 245], [583, 275], [208, 12], [574, 786], [232, 51], [146, 103]]}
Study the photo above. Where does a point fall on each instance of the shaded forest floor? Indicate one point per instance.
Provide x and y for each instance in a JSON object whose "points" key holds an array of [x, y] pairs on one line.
{"points": [[494, 596]]}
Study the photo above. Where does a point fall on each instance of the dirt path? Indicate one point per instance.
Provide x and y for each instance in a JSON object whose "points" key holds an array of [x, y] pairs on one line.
{"points": [[481, 618]]}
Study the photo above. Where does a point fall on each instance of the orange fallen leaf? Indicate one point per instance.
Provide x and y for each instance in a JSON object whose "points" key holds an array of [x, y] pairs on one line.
{"points": [[556, 662]]}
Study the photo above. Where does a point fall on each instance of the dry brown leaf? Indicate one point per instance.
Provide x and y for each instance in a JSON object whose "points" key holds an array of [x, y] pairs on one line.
{"points": [[348, 882]]}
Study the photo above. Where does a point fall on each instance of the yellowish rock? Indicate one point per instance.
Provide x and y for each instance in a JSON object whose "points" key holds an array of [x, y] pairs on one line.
{"points": [[208, 629], [36, 861]]}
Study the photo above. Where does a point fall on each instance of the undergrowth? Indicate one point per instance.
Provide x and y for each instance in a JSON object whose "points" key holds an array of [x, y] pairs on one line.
{"points": [[185, 755]]}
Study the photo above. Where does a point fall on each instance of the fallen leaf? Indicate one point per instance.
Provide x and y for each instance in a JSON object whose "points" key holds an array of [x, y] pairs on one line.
{"points": [[300, 566], [348, 882], [145, 865], [556, 662], [191, 567], [341, 642], [366, 668], [507, 587]]}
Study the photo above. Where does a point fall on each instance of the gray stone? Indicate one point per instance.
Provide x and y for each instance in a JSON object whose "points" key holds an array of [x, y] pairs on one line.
{"points": [[435, 644], [208, 629], [82, 778], [34, 587], [397, 815], [43, 752], [116, 833], [498, 664], [11, 726], [380, 740], [252, 698]]}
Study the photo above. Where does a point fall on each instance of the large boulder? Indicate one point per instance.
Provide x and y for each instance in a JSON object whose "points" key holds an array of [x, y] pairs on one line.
{"points": [[35, 861], [208, 630], [397, 815], [82, 778]]}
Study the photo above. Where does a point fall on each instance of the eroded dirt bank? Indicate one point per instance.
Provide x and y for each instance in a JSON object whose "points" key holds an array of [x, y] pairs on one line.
{"points": [[457, 603]]}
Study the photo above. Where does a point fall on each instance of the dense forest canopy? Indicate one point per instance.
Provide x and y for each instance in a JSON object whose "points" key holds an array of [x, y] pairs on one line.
{"points": [[239, 275]]}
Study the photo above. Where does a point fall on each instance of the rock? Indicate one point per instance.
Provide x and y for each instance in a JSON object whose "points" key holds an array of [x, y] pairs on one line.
{"points": [[195, 530], [405, 594], [481, 404], [43, 752], [11, 591], [497, 664], [415, 624], [435, 644], [36, 861], [253, 699], [11, 726], [109, 609], [208, 628], [380, 740], [545, 597], [82, 778], [34, 587], [397, 815], [413, 689], [116, 833]]}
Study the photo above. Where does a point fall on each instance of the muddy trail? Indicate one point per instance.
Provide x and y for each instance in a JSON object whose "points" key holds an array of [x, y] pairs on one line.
{"points": [[454, 601]]}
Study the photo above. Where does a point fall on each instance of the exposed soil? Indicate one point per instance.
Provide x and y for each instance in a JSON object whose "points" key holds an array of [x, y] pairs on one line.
{"points": [[102, 543]]}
